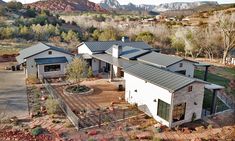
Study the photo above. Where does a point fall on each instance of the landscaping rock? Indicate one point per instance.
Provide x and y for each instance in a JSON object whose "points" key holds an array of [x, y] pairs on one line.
{"points": [[92, 133], [144, 135]]}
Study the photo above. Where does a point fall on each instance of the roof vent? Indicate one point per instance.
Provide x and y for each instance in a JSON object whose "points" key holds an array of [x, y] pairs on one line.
{"points": [[116, 51], [125, 39]]}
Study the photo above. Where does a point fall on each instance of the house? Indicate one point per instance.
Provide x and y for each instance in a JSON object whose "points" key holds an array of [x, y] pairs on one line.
{"points": [[43, 60], [231, 57], [170, 98], [161, 85]]}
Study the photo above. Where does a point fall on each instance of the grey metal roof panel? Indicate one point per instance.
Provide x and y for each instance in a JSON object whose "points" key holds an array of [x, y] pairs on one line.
{"points": [[162, 78], [38, 48], [159, 59], [35, 49], [129, 53], [102, 46], [53, 60], [119, 62], [19, 59]]}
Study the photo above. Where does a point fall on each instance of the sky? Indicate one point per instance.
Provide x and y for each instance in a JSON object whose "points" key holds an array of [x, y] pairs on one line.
{"points": [[154, 2]]}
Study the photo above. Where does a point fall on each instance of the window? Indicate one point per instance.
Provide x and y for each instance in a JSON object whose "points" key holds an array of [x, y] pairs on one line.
{"points": [[190, 88], [49, 52], [163, 109], [179, 112], [50, 68], [181, 65]]}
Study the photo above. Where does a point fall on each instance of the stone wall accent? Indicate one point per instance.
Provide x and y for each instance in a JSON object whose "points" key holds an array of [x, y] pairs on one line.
{"points": [[193, 100]]}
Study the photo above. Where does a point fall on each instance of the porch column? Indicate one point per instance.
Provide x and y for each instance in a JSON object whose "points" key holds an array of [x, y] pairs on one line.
{"points": [[213, 105], [111, 73], [206, 73]]}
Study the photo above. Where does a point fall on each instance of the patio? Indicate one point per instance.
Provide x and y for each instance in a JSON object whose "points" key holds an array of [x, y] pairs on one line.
{"points": [[105, 105]]}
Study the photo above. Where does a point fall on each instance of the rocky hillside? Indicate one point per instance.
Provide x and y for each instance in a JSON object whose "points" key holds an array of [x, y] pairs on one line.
{"points": [[110, 4], [115, 5], [67, 5], [183, 5]]}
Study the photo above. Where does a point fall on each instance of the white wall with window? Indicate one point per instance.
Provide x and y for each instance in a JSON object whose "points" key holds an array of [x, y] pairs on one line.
{"points": [[170, 109], [52, 70], [31, 65], [155, 100], [182, 66]]}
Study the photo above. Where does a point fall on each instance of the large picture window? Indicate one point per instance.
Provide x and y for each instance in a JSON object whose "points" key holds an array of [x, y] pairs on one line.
{"points": [[179, 112], [50, 68], [163, 109]]}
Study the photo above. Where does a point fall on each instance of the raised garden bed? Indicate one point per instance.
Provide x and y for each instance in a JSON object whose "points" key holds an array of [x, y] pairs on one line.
{"points": [[80, 90]]}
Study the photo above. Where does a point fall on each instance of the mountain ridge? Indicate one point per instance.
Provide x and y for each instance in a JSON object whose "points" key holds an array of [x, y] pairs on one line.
{"points": [[67, 5], [115, 5]]}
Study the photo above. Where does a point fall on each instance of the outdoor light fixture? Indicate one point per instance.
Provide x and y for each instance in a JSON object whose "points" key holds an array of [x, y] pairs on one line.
{"points": [[135, 90], [154, 100]]}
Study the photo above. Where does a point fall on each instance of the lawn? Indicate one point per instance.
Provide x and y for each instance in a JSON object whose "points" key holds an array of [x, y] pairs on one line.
{"points": [[220, 76]]}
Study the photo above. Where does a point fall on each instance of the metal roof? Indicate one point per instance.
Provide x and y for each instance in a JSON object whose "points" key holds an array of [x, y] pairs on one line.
{"points": [[84, 56], [159, 59], [102, 46], [119, 62], [53, 60], [129, 53], [160, 77], [38, 48]]}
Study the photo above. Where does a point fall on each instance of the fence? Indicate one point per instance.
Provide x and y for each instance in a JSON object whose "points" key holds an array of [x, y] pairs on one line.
{"points": [[88, 120], [228, 101], [65, 108]]}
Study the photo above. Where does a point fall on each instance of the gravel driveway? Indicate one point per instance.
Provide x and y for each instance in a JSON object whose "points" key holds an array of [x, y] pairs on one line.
{"points": [[13, 98]]}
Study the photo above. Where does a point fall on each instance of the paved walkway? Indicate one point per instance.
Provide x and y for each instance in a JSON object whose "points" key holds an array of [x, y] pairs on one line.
{"points": [[13, 97]]}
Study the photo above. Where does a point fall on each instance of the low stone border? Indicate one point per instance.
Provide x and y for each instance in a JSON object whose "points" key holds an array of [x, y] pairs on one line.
{"points": [[91, 91]]}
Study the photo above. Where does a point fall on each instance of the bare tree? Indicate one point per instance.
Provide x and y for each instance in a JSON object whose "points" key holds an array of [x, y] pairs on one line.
{"points": [[190, 37], [226, 24]]}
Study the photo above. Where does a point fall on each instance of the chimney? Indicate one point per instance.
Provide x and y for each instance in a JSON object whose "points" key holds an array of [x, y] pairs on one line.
{"points": [[116, 51], [125, 39]]}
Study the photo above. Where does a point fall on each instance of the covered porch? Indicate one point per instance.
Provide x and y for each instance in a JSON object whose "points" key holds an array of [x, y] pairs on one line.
{"points": [[216, 92]]}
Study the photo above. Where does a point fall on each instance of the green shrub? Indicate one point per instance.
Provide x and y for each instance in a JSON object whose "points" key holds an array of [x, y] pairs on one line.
{"points": [[37, 131], [52, 106], [157, 139], [90, 72]]}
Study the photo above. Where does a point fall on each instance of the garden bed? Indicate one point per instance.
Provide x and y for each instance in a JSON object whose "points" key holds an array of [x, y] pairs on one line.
{"points": [[80, 90]]}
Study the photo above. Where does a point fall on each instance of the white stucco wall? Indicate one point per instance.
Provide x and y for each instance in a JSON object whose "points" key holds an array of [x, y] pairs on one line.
{"points": [[84, 49], [187, 65], [52, 73], [193, 100], [31, 65], [145, 95]]}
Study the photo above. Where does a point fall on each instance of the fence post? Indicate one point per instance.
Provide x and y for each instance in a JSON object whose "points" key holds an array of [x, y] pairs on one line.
{"points": [[99, 120], [123, 116]]}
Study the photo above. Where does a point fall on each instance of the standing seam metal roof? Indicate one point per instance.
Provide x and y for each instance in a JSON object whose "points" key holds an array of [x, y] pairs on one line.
{"points": [[129, 53], [162, 78], [38, 48], [102, 46], [159, 59], [119, 62]]}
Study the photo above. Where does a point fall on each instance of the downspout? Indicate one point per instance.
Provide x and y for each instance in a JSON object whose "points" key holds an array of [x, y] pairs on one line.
{"points": [[171, 109]]}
